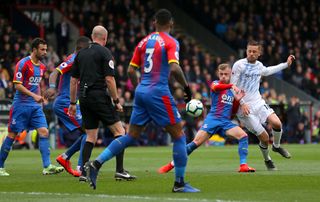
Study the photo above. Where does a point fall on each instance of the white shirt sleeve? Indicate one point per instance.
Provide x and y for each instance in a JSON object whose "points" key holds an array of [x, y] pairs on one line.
{"points": [[266, 71], [236, 72]]}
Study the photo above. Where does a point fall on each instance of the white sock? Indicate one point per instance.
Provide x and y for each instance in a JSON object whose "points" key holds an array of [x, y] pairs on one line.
{"points": [[265, 151], [276, 138], [172, 163], [64, 156]]}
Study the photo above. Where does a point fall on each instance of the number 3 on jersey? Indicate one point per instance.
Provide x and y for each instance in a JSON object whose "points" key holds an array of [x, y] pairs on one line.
{"points": [[149, 63]]}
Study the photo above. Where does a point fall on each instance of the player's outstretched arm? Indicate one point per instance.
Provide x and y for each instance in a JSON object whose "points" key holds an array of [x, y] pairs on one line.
{"points": [[216, 87], [290, 60], [132, 74], [266, 71]]}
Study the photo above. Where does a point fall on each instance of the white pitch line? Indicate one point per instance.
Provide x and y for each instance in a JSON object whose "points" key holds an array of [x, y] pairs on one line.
{"points": [[148, 198]]}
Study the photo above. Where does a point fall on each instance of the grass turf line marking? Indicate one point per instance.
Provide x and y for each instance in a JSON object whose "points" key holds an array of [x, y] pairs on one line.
{"points": [[115, 196]]}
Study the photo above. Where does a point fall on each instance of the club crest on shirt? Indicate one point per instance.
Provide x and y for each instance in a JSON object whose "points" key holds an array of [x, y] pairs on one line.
{"points": [[64, 64], [111, 64], [19, 75]]}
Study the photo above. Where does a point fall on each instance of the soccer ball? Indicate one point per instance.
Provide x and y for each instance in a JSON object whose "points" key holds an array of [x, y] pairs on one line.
{"points": [[194, 108]]}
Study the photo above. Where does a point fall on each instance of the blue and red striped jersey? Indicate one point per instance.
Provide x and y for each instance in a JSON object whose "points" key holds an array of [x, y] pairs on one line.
{"points": [[64, 83], [153, 55], [221, 102], [29, 75]]}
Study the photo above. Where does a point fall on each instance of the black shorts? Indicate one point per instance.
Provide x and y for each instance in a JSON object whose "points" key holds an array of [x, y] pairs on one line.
{"points": [[97, 106]]}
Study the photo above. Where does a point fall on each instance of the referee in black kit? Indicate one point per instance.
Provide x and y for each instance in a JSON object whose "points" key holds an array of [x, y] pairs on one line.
{"points": [[94, 68]]}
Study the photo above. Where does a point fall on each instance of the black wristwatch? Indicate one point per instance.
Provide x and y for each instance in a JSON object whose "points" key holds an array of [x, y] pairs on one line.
{"points": [[116, 101], [73, 103]]}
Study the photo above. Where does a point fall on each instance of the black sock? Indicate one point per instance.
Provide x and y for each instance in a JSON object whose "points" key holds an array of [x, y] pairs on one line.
{"points": [[97, 164], [119, 159], [86, 153], [179, 184]]}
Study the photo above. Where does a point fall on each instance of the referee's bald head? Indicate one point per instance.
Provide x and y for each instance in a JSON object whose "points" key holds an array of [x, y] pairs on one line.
{"points": [[99, 34]]}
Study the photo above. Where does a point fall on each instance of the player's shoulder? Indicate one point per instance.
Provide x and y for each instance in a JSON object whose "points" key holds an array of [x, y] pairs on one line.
{"points": [[213, 85], [70, 57], [215, 82], [42, 65], [258, 63], [240, 63], [144, 40], [24, 61], [168, 38]]}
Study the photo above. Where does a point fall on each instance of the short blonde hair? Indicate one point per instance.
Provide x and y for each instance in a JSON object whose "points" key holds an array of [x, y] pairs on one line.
{"points": [[223, 66]]}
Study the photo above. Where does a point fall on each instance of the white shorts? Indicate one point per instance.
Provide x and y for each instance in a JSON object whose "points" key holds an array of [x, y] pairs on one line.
{"points": [[258, 116]]}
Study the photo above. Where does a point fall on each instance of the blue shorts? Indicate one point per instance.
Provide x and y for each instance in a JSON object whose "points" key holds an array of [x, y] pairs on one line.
{"points": [[214, 125], [26, 118], [157, 106], [61, 110]]}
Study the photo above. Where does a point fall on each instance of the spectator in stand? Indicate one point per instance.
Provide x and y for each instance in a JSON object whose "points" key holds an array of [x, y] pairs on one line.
{"points": [[63, 36], [293, 118], [294, 31]]}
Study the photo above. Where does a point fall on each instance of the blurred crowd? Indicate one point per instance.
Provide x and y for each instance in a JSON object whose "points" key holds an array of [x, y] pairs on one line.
{"points": [[283, 27], [129, 21]]}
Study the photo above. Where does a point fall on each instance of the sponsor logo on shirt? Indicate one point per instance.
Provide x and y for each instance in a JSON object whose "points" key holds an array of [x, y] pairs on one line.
{"points": [[227, 99], [34, 80]]}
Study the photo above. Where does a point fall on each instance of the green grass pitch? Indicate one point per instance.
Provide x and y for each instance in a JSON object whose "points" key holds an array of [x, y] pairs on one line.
{"points": [[211, 169]]}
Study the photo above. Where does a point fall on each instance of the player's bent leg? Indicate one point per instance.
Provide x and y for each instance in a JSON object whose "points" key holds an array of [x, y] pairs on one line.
{"points": [[78, 171], [64, 159], [275, 122], [44, 147], [121, 174], [4, 152], [114, 148], [180, 158], [264, 140], [87, 149], [200, 138], [242, 137]]}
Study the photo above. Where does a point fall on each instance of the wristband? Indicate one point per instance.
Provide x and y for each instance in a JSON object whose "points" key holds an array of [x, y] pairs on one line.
{"points": [[116, 101], [73, 103], [241, 102], [51, 85]]}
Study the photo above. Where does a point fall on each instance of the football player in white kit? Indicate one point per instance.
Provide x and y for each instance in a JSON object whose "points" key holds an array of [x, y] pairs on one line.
{"points": [[253, 110]]}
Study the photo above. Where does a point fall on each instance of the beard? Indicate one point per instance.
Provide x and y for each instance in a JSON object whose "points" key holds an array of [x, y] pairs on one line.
{"points": [[40, 57]]}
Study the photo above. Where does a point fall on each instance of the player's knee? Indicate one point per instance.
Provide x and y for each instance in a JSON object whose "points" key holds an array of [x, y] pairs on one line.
{"points": [[242, 135], [264, 138], [119, 131], [12, 135], [91, 138], [43, 132], [277, 125]]}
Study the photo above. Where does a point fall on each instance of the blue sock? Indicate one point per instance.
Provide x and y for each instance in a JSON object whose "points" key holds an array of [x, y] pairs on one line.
{"points": [[191, 147], [5, 149], [74, 148], [44, 147], [180, 158], [83, 141], [115, 147], [243, 149]]}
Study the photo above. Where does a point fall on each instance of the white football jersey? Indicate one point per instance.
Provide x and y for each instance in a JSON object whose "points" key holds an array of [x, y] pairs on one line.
{"points": [[246, 76]]}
